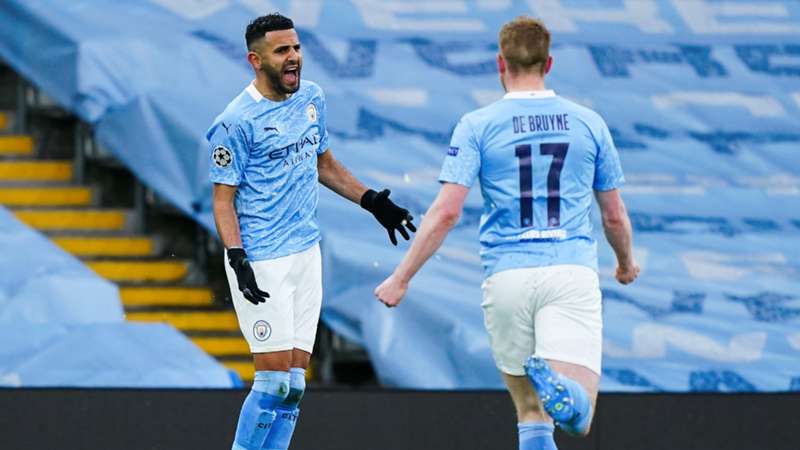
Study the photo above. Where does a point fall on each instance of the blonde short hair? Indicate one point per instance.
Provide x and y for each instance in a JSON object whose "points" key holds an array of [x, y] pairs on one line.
{"points": [[525, 44]]}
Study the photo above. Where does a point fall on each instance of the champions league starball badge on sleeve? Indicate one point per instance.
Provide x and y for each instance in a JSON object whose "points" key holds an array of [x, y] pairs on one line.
{"points": [[222, 157]]}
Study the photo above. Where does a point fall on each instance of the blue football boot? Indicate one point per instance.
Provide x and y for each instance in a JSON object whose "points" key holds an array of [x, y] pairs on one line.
{"points": [[558, 396]]}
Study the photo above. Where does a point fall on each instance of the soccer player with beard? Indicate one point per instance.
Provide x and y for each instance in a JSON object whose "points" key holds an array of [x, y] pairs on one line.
{"points": [[269, 149]]}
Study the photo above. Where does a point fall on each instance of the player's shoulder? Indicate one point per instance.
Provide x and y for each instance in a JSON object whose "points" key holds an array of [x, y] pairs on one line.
{"points": [[310, 89], [480, 117], [237, 113], [244, 106], [310, 85], [589, 116]]}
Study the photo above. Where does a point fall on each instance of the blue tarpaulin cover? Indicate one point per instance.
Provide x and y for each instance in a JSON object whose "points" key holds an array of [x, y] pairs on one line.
{"points": [[63, 325], [703, 99]]}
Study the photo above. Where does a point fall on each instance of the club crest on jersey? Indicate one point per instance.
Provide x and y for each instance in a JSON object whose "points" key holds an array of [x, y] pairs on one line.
{"points": [[452, 151], [262, 330], [222, 157], [311, 112]]}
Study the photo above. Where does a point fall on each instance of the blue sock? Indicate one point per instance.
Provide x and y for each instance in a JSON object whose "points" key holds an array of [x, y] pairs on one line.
{"points": [[536, 436], [280, 435], [581, 404], [258, 411]]}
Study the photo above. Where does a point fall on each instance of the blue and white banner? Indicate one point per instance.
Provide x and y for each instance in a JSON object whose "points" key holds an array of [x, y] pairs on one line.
{"points": [[62, 325], [702, 96], [42, 284]]}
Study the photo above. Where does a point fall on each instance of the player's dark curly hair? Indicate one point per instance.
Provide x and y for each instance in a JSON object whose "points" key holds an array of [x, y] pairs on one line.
{"points": [[261, 25]]}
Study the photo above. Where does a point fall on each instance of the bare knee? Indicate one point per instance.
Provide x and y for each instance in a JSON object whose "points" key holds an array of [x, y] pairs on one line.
{"points": [[273, 361], [300, 358]]}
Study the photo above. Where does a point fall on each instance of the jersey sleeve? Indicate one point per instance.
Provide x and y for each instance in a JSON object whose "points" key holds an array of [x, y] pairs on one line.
{"points": [[463, 160], [229, 150], [323, 124], [607, 168]]}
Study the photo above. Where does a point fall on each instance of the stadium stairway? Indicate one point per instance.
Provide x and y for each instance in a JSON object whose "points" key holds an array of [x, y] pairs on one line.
{"points": [[153, 288]]}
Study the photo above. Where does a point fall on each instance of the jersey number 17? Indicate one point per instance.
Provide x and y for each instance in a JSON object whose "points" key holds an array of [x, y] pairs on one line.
{"points": [[523, 152]]}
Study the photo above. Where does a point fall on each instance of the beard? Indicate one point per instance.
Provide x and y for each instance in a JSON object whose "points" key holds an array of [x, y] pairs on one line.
{"points": [[275, 77]]}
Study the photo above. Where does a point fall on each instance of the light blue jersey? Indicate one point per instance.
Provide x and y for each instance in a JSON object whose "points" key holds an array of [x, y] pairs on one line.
{"points": [[538, 157], [269, 150]]}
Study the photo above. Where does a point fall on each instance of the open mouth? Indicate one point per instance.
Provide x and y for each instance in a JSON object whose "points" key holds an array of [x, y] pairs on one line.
{"points": [[291, 75]]}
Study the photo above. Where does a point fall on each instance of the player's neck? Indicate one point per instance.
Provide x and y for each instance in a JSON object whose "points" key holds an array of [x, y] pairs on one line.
{"points": [[267, 91], [524, 83]]}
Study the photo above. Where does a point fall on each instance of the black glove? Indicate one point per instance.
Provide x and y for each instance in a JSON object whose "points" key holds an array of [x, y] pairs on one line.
{"points": [[245, 277], [391, 216]]}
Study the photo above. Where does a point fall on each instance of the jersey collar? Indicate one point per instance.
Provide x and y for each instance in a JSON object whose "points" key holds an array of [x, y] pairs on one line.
{"points": [[531, 94], [257, 96], [251, 89]]}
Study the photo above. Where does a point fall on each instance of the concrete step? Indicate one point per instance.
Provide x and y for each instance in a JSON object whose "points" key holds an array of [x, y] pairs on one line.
{"points": [[223, 346], [138, 271], [16, 145], [35, 170], [74, 219], [46, 196], [105, 246], [190, 320], [166, 296]]}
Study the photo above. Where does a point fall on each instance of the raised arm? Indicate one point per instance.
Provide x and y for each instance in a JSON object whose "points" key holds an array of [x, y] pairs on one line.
{"points": [[439, 220], [336, 177], [617, 227]]}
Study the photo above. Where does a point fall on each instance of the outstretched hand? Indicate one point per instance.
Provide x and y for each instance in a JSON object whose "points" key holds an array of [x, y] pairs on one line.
{"points": [[391, 216]]}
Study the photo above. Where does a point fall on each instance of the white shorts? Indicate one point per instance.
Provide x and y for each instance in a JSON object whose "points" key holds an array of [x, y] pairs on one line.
{"points": [[288, 319], [554, 312]]}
